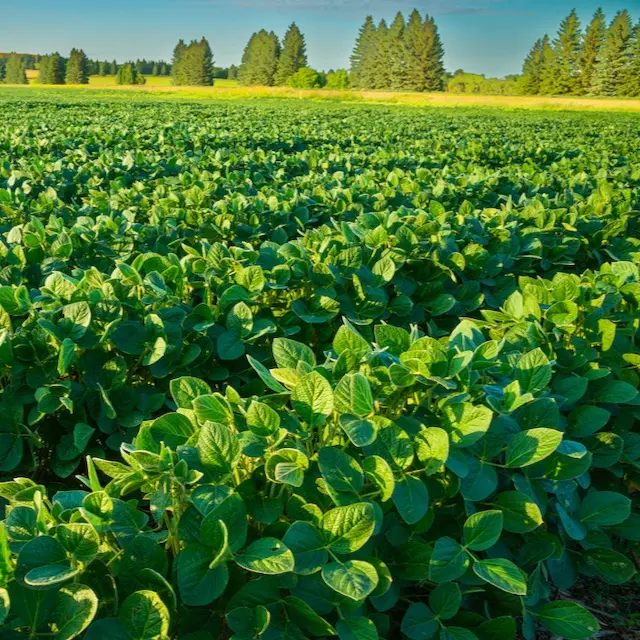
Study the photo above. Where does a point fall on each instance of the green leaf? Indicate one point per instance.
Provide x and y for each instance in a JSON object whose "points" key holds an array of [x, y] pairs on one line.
{"points": [[568, 620], [533, 371], [312, 397], [340, 471], [361, 432], [432, 448], [306, 618], [4, 605], [359, 628], [174, 429], [144, 616], [467, 423], [502, 574], [380, 474], [482, 530], [248, 621], [212, 408], [74, 609], [615, 392], [521, 514], [354, 579], [262, 419], [78, 315], [348, 339], [611, 566], [347, 529], [604, 508], [288, 353], [449, 561], [445, 600], [49, 576], [411, 499], [266, 555], [80, 540], [419, 623], [308, 547], [529, 447], [563, 313], [219, 449], [186, 389], [199, 584], [66, 355], [394, 339], [353, 396]]}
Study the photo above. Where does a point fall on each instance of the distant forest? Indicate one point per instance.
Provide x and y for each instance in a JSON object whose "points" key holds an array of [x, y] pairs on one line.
{"points": [[601, 59]]}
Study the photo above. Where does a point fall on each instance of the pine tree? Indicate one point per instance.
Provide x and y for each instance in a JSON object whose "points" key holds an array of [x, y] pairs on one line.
{"points": [[15, 72], [260, 59], [396, 52], [630, 85], [362, 58], [293, 56], [128, 74], [114, 68], [425, 70], [548, 70], [610, 71], [567, 48], [77, 68], [532, 69], [177, 68], [103, 67], [52, 69], [380, 62], [592, 45]]}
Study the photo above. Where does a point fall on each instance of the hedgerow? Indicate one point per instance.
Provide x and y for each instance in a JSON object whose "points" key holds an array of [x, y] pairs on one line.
{"points": [[271, 372]]}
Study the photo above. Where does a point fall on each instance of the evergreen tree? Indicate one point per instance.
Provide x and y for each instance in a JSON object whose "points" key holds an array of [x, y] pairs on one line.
{"points": [[3, 69], [77, 68], [592, 44], [293, 56], [425, 70], [548, 70], [177, 69], [397, 55], [128, 74], [567, 48], [52, 69], [380, 62], [155, 71], [15, 71], [260, 59], [362, 58], [114, 68], [610, 72], [532, 69], [630, 85], [103, 68]]}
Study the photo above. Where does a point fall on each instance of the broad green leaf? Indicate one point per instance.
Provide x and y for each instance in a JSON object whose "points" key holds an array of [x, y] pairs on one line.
{"points": [[288, 353], [419, 622], [568, 620], [380, 474], [448, 562], [361, 432], [432, 448], [611, 566], [521, 514], [482, 530], [144, 616], [312, 397], [347, 529], [212, 408], [445, 600], [354, 579], [529, 447], [307, 619], [411, 499], [467, 423], [262, 419], [604, 508], [533, 371], [219, 449], [199, 584], [186, 389], [353, 395], [266, 555], [75, 607], [340, 471], [359, 628], [615, 392], [308, 547], [502, 574]]}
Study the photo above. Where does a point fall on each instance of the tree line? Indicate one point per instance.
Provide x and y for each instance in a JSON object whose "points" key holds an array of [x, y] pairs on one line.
{"points": [[602, 60]]}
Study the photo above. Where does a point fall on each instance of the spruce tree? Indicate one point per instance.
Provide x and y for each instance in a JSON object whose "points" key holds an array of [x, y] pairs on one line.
{"points": [[362, 58], [103, 68], [548, 70], [114, 68], [128, 74], [177, 68], [260, 59], [532, 69], [397, 54], [380, 61], [77, 68], [630, 85], [15, 72], [425, 70], [293, 56], [567, 48], [3, 69], [610, 70], [52, 69], [592, 44], [245, 71]]}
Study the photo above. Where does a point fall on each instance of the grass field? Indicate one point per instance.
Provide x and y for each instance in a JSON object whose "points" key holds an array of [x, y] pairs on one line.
{"points": [[160, 88]]}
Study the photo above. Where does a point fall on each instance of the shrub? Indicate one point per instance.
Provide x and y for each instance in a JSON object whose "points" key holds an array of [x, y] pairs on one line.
{"points": [[305, 78]]}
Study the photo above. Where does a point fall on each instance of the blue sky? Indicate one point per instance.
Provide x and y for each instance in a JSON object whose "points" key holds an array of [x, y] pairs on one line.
{"points": [[482, 36]]}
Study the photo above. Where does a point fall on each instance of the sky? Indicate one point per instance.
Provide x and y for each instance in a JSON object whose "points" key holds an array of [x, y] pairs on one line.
{"points": [[480, 36]]}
